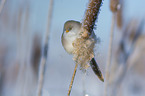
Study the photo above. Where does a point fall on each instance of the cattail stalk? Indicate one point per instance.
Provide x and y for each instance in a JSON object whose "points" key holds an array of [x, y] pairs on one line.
{"points": [[2, 5], [91, 16], [44, 51], [72, 80], [82, 46]]}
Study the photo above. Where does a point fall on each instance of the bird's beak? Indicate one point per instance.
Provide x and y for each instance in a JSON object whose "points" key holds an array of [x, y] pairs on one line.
{"points": [[67, 31]]}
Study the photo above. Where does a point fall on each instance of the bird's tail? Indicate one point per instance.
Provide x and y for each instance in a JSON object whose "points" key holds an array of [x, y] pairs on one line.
{"points": [[96, 69]]}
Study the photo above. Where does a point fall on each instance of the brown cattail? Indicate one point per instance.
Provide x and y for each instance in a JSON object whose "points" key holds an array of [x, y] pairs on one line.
{"points": [[120, 15], [91, 16], [114, 4], [119, 18]]}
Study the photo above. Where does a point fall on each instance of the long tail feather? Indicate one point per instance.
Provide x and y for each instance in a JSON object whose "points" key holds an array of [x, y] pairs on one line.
{"points": [[96, 69]]}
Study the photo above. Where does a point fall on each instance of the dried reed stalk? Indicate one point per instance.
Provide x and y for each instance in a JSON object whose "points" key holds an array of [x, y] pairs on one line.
{"points": [[2, 5], [114, 6], [127, 55], [117, 70], [44, 51], [18, 33], [109, 55], [21, 52], [27, 45], [91, 16]]}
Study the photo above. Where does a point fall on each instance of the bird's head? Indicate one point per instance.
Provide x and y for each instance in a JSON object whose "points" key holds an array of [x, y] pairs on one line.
{"points": [[71, 28]]}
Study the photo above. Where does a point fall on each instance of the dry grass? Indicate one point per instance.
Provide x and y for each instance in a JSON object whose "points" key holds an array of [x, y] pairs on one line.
{"points": [[44, 51]]}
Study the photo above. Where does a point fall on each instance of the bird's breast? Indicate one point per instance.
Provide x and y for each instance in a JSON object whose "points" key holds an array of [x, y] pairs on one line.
{"points": [[67, 44]]}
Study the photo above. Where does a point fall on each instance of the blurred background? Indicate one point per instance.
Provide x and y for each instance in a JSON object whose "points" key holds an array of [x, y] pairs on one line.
{"points": [[23, 24]]}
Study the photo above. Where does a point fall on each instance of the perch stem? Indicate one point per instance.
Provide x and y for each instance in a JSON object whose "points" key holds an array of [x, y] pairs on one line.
{"points": [[72, 80]]}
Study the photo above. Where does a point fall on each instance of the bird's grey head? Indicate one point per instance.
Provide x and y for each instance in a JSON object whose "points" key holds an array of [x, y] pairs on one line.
{"points": [[71, 26]]}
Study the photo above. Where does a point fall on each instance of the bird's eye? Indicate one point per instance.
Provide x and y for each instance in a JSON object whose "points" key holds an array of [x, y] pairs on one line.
{"points": [[67, 30]]}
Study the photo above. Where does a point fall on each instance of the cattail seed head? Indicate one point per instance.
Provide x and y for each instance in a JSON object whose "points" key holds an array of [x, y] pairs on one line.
{"points": [[114, 5], [91, 15]]}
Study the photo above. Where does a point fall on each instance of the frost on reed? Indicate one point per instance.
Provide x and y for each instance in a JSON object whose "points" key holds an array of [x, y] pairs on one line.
{"points": [[84, 46]]}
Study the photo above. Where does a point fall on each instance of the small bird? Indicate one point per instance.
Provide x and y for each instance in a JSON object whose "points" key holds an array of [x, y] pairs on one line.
{"points": [[71, 32]]}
